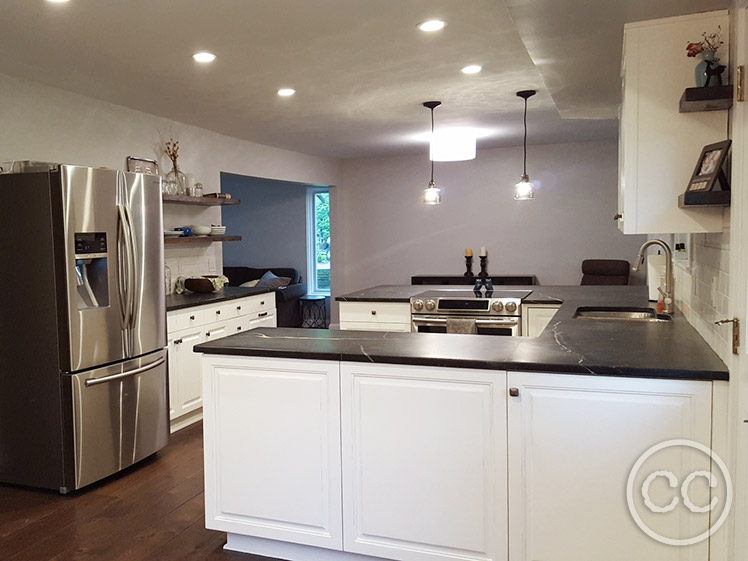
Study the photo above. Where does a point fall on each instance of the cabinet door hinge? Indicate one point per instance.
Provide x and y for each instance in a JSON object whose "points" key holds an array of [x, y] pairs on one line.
{"points": [[735, 332], [740, 87]]}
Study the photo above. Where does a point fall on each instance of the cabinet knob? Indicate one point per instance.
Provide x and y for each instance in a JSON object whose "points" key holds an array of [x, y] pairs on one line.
{"points": [[218, 312], [238, 308], [239, 328], [617, 216], [373, 312], [192, 318], [514, 392], [177, 341], [262, 302], [207, 334]]}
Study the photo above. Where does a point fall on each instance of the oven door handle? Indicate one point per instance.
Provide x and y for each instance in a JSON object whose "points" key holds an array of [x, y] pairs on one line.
{"points": [[422, 319], [501, 322]]}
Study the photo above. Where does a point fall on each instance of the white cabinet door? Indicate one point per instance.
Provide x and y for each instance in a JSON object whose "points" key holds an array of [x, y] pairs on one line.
{"points": [[573, 441], [189, 371], [536, 317], [272, 449], [424, 462], [263, 319], [659, 147]]}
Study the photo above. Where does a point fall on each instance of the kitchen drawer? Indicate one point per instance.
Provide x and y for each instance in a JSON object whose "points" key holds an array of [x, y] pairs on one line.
{"points": [[260, 303], [237, 325], [191, 317], [375, 312], [372, 326]]}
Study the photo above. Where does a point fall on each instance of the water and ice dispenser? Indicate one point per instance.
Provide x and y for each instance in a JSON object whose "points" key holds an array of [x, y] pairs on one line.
{"points": [[91, 271]]}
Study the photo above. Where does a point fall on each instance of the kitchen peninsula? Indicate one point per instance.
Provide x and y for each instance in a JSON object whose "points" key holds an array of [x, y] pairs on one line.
{"points": [[337, 444]]}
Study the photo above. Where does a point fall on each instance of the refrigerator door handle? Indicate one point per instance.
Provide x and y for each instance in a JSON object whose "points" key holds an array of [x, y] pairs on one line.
{"points": [[125, 281], [113, 377], [133, 282]]}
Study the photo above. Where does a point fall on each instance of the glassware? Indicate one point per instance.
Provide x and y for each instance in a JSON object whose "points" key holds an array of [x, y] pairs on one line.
{"points": [[198, 189], [176, 181]]}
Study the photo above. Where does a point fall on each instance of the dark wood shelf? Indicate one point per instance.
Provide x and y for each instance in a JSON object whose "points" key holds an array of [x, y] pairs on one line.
{"points": [[713, 98], [201, 201], [201, 239]]}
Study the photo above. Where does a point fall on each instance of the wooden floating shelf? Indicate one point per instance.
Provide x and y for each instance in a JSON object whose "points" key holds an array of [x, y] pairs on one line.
{"points": [[202, 201], [713, 98], [201, 239]]}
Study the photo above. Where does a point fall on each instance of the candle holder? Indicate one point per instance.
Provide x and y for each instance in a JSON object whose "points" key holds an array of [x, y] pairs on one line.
{"points": [[483, 275], [468, 266]]}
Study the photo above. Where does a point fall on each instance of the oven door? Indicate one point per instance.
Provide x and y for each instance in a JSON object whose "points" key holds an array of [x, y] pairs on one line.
{"points": [[505, 326]]}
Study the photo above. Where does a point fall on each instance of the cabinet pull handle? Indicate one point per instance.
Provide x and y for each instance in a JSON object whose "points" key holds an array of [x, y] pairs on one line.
{"points": [[514, 392], [192, 318], [373, 312], [262, 314]]}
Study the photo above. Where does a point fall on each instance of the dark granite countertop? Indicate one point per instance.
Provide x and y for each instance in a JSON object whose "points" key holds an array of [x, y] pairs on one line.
{"points": [[575, 346], [190, 299]]}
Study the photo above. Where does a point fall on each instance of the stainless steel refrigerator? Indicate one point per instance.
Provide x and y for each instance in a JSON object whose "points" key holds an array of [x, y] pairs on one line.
{"points": [[83, 379]]}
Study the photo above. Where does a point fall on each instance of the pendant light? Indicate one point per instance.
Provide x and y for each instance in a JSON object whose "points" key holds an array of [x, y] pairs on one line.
{"points": [[524, 190], [432, 195]]}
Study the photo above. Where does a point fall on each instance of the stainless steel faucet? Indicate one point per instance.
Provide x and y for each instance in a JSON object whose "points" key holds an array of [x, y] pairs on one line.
{"points": [[668, 297]]}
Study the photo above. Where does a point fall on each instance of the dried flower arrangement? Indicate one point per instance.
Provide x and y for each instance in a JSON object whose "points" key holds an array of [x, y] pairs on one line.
{"points": [[172, 150], [710, 42]]}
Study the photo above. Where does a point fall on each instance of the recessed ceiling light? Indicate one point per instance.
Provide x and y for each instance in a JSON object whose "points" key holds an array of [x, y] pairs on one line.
{"points": [[472, 69], [204, 57], [431, 25], [286, 92]]}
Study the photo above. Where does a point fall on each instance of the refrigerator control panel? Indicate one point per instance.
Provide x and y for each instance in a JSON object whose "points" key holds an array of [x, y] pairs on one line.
{"points": [[90, 245]]}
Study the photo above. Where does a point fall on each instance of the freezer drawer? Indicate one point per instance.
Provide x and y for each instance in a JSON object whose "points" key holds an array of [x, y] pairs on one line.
{"points": [[120, 416]]}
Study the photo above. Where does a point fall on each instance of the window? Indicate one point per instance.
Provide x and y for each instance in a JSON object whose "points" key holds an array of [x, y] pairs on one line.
{"points": [[318, 240]]}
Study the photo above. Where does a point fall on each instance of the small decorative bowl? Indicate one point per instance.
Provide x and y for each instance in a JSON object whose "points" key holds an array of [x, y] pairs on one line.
{"points": [[206, 283], [198, 230]]}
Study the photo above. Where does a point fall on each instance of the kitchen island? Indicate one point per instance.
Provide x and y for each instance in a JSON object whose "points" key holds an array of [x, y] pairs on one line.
{"points": [[338, 444]]}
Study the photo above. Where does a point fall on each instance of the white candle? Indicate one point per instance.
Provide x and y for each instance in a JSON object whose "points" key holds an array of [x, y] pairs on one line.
{"points": [[483, 252]]}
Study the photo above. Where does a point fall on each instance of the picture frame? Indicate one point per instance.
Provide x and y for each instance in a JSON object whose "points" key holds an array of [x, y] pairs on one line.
{"points": [[142, 165], [708, 171]]}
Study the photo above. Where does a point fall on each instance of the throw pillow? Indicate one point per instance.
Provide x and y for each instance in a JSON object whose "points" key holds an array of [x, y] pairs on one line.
{"points": [[269, 280], [250, 284]]}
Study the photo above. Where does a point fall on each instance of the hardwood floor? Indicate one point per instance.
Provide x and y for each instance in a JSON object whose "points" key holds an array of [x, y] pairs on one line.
{"points": [[151, 511]]}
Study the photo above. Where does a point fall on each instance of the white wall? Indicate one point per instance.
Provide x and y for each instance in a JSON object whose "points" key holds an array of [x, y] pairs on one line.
{"points": [[383, 234], [49, 124]]}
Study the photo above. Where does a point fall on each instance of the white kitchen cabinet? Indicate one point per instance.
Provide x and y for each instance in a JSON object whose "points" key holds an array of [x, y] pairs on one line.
{"points": [[536, 317], [659, 146], [573, 441], [424, 462], [191, 326], [375, 316], [272, 449]]}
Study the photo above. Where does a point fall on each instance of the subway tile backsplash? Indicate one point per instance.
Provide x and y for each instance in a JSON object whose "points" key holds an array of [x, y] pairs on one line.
{"points": [[702, 289]]}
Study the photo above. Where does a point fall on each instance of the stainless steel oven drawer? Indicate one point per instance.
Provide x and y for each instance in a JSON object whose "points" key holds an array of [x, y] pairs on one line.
{"points": [[120, 416]]}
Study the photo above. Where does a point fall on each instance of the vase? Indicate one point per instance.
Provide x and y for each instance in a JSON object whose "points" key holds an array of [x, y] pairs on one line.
{"points": [[708, 57], [175, 182]]}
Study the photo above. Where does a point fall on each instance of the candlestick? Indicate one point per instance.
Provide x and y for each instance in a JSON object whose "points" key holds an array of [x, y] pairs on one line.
{"points": [[483, 274], [468, 265]]}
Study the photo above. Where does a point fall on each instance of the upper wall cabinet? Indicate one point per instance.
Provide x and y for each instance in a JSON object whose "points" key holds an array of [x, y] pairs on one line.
{"points": [[659, 145]]}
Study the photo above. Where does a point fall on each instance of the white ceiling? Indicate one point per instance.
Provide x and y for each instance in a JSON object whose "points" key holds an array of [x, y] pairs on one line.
{"points": [[361, 69]]}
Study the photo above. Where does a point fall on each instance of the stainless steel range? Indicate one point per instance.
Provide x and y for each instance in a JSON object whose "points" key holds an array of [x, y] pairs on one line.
{"points": [[496, 312]]}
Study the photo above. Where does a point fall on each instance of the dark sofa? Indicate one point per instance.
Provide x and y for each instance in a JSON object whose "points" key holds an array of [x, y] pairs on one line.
{"points": [[286, 298]]}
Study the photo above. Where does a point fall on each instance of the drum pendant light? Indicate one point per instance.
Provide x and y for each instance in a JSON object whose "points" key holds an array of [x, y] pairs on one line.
{"points": [[524, 190], [432, 194]]}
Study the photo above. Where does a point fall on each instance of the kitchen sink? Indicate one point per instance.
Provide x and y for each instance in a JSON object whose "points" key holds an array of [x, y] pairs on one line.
{"points": [[621, 314]]}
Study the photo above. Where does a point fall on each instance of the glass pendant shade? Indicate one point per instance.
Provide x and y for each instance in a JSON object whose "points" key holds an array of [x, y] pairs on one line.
{"points": [[524, 189], [452, 146], [432, 195]]}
